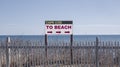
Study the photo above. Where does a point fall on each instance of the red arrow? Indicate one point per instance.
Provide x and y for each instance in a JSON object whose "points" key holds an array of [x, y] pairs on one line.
{"points": [[49, 31], [67, 31], [58, 31]]}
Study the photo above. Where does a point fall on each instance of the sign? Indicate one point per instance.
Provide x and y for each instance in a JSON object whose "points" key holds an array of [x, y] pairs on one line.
{"points": [[58, 27]]}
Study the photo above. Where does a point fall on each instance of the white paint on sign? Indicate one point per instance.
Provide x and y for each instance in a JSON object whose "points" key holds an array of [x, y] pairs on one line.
{"points": [[58, 29]]}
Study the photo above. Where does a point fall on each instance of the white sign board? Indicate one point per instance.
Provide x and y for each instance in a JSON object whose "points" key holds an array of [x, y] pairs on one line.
{"points": [[58, 27]]}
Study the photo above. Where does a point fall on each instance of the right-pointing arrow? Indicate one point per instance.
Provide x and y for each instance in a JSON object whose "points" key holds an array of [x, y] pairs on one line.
{"points": [[58, 31], [67, 31], [49, 31]]}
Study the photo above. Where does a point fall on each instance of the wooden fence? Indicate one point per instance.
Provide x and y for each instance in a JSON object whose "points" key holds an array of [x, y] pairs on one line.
{"points": [[19, 53]]}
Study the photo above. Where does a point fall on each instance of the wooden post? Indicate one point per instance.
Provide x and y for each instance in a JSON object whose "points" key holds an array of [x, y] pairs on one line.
{"points": [[97, 42], [71, 48], [45, 50], [7, 52]]}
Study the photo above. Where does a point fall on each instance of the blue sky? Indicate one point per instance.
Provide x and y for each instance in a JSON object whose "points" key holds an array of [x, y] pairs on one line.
{"points": [[27, 17]]}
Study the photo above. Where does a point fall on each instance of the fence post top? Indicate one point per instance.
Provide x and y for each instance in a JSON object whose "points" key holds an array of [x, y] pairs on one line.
{"points": [[97, 39], [8, 40]]}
